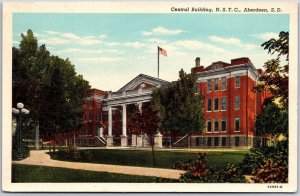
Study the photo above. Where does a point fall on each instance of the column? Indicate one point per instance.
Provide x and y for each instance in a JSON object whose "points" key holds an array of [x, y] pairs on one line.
{"points": [[140, 105], [124, 131], [158, 140], [109, 141]]}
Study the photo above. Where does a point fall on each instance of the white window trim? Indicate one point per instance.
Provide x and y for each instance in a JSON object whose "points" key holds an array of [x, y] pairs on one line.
{"points": [[215, 84], [225, 84], [235, 125], [225, 104], [210, 126], [210, 86], [239, 82], [225, 127], [239, 102], [218, 126], [207, 105], [218, 105]]}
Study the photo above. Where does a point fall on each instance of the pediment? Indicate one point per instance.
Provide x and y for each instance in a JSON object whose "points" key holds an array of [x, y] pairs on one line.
{"points": [[143, 81]]}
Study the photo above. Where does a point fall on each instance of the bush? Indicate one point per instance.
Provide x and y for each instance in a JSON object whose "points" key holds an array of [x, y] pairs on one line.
{"points": [[268, 164], [197, 171]]}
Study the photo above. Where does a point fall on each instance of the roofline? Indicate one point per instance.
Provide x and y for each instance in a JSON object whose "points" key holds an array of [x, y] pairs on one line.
{"points": [[151, 77]]}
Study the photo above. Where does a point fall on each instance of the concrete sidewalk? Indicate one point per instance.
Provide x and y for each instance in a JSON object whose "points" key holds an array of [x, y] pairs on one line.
{"points": [[39, 157]]}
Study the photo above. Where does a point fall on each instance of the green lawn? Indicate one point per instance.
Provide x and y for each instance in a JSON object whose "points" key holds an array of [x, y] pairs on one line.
{"points": [[30, 173], [164, 159]]}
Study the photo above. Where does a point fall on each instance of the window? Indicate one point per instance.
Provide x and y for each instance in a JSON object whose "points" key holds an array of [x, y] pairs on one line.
{"points": [[197, 141], [216, 141], [237, 82], [237, 141], [209, 85], [216, 127], [223, 106], [209, 141], [237, 102], [237, 124], [224, 124], [216, 84], [97, 117], [223, 141], [99, 105], [209, 104], [216, 104], [208, 126], [223, 83]]}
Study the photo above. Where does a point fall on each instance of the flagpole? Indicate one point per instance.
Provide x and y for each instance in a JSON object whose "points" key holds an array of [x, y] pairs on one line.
{"points": [[157, 61]]}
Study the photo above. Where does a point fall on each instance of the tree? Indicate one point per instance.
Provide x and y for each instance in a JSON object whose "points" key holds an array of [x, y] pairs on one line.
{"points": [[48, 85], [181, 108], [272, 121], [275, 78]]}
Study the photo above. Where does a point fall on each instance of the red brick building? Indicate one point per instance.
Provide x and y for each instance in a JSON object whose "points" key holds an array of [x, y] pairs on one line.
{"points": [[230, 108], [230, 103]]}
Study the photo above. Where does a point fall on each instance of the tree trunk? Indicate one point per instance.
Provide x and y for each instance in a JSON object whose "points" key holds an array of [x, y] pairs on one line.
{"points": [[189, 141], [153, 156]]}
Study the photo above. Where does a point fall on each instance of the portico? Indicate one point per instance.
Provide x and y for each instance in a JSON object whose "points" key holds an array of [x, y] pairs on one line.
{"points": [[137, 91]]}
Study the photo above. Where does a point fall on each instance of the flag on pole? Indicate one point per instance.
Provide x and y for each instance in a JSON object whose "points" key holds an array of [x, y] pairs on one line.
{"points": [[162, 51]]}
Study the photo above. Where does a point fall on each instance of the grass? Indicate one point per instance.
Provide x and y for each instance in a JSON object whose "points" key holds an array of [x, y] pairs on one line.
{"points": [[30, 173], [143, 158]]}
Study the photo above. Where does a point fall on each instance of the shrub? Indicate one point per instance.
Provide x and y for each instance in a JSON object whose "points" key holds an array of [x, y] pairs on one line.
{"points": [[197, 171], [268, 164]]}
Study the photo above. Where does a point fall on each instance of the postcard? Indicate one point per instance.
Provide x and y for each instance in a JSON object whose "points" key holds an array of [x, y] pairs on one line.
{"points": [[149, 96]]}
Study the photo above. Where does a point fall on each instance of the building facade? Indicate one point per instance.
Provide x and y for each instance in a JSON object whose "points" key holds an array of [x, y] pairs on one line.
{"points": [[230, 108]]}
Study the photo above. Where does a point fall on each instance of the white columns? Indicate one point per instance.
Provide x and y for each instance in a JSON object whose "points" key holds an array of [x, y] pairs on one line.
{"points": [[109, 140], [109, 121], [124, 133], [140, 104]]}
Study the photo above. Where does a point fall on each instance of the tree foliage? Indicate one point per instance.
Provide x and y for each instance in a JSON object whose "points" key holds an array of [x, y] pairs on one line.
{"points": [[275, 77], [179, 107], [47, 85], [273, 120]]}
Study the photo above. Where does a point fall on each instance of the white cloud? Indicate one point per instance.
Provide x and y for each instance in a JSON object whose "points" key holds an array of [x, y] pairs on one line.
{"points": [[232, 41], [134, 44], [112, 44], [195, 44], [266, 36], [71, 36], [162, 31], [228, 41], [53, 32], [100, 60], [55, 41], [155, 40], [78, 50]]}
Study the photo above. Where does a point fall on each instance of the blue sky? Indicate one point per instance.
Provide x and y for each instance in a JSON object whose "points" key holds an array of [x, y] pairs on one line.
{"points": [[111, 49]]}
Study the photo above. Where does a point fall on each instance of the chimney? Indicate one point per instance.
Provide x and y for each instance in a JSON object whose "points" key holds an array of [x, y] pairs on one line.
{"points": [[197, 60]]}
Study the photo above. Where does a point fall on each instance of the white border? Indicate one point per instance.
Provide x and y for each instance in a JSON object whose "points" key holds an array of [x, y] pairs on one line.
{"points": [[140, 7]]}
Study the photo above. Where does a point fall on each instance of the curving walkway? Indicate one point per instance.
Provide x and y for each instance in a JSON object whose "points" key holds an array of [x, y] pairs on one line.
{"points": [[39, 157]]}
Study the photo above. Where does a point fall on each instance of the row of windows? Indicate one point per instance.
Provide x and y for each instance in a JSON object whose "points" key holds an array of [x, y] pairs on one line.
{"points": [[223, 103], [216, 140], [217, 124], [223, 86]]}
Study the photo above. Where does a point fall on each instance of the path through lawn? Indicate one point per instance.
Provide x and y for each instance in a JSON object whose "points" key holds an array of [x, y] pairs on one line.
{"points": [[164, 159]]}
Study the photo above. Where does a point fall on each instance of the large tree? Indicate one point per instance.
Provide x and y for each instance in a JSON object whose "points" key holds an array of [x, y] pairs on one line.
{"points": [[180, 106], [272, 121], [48, 86], [275, 77]]}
